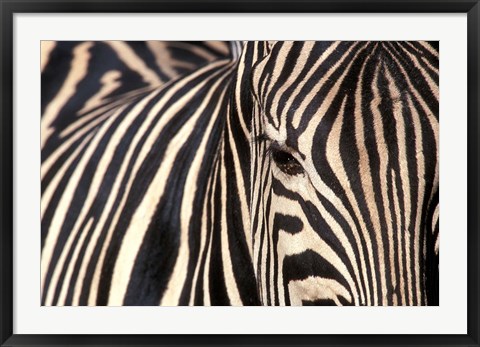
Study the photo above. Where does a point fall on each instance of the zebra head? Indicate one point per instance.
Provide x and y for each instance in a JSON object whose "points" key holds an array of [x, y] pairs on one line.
{"points": [[344, 171]]}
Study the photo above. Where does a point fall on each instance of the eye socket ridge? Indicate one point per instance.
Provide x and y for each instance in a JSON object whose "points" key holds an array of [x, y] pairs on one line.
{"points": [[285, 161]]}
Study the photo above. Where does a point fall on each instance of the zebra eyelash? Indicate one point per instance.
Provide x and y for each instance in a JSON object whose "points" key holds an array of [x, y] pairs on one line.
{"points": [[268, 152], [260, 138], [263, 138]]}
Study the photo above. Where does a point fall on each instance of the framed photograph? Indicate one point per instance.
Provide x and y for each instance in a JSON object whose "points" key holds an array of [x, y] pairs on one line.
{"points": [[231, 172]]}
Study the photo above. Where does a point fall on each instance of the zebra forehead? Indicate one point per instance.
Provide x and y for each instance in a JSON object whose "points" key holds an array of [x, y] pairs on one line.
{"points": [[293, 62], [298, 83]]}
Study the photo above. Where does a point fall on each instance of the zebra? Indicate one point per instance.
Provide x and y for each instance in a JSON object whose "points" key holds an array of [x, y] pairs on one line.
{"points": [[271, 173]]}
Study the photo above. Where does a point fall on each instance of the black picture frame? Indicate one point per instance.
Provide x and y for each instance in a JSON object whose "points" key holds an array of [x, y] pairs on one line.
{"points": [[10, 7]]}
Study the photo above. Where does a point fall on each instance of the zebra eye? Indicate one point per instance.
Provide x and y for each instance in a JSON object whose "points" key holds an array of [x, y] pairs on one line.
{"points": [[286, 162]]}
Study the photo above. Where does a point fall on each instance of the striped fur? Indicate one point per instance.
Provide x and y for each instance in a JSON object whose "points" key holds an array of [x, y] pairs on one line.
{"points": [[275, 173], [355, 226]]}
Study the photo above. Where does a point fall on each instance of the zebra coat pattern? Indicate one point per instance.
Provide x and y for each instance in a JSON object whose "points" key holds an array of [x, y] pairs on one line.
{"points": [[274, 173]]}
